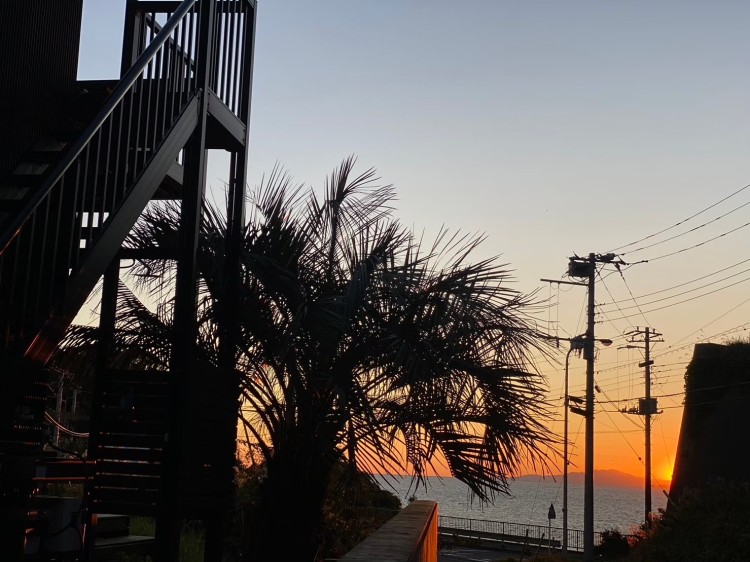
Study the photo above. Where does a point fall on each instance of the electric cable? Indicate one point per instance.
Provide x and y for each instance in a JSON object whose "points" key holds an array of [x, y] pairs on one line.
{"points": [[669, 351], [684, 393], [628, 418], [632, 297], [662, 299], [658, 482], [690, 299], [721, 401], [686, 232], [714, 320], [603, 313], [613, 298], [683, 220], [648, 260], [693, 281]]}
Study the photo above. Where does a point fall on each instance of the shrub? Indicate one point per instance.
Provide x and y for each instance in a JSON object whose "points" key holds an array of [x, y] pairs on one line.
{"points": [[614, 545], [706, 524], [354, 508]]}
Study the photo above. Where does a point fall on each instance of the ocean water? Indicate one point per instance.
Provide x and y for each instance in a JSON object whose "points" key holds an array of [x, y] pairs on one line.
{"points": [[614, 507]]}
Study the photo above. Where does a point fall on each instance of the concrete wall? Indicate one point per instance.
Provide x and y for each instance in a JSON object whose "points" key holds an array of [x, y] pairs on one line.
{"points": [[410, 536], [714, 436]]}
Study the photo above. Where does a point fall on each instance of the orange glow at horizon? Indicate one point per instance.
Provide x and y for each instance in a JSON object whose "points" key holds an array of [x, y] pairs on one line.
{"points": [[621, 450], [666, 472]]}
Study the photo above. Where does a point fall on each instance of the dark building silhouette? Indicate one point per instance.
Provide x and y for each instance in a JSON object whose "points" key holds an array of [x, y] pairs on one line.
{"points": [[37, 70], [714, 436]]}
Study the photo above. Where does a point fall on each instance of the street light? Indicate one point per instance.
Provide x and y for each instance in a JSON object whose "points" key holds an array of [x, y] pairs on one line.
{"points": [[577, 343]]}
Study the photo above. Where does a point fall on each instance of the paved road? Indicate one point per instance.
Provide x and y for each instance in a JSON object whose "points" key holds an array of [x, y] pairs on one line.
{"points": [[463, 554]]}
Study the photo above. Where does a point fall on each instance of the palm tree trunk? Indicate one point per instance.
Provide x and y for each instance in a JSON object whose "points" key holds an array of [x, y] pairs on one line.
{"points": [[290, 509]]}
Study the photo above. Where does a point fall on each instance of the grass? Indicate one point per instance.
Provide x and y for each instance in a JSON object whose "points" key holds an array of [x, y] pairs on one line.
{"points": [[142, 526], [191, 542]]}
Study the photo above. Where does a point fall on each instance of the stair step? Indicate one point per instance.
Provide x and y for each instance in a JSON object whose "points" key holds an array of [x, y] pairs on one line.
{"points": [[107, 548], [45, 157], [112, 525], [30, 168], [49, 145], [9, 193], [69, 132], [23, 180]]}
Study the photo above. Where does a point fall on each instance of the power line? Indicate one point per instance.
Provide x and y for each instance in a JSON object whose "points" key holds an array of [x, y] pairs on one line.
{"points": [[671, 349], [631, 295], [623, 435], [685, 300], [599, 432], [720, 401], [695, 245], [617, 388], [611, 323], [687, 231], [632, 448], [711, 322], [613, 298], [622, 309], [631, 420], [607, 381], [683, 220], [690, 282], [676, 394]]}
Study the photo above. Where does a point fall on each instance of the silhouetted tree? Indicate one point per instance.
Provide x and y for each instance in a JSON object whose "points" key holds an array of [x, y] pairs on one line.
{"points": [[359, 342]]}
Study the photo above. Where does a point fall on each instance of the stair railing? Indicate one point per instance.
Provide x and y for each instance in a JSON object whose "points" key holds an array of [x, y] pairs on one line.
{"points": [[230, 53], [143, 25], [62, 218], [232, 25]]}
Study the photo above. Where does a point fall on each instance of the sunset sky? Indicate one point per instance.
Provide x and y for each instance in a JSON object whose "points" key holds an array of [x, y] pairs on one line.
{"points": [[555, 127]]}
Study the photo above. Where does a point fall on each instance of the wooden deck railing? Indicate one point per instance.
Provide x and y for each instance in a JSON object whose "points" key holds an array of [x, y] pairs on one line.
{"points": [[410, 536]]}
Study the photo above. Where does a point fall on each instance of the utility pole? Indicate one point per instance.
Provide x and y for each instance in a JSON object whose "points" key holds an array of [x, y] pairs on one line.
{"points": [[582, 267], [586, 268], [588, 483], [646, 406], [647, 384]]}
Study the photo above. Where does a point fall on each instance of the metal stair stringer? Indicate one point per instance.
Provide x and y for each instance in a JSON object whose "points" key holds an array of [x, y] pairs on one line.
{"points": [[83, 280]]}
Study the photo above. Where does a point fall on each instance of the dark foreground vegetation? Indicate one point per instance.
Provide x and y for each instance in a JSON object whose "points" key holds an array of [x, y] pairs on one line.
{"points": [[711, 524], [354, 508]]}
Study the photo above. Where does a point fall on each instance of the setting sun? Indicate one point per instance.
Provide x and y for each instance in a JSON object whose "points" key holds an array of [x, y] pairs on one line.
{"points": [[664, 473]]}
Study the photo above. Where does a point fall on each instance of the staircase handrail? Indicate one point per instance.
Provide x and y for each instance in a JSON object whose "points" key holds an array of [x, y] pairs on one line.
{"points": [[13, 227]]}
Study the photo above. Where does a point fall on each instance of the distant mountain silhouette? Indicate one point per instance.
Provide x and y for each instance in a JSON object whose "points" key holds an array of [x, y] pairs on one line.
{"points": [[609, 477]]}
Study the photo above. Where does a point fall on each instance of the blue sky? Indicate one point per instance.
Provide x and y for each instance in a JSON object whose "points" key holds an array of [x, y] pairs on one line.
{"points": [[554, 127]]}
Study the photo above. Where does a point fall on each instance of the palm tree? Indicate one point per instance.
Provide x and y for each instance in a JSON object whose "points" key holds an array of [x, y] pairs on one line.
{"points": [[358, 343]]}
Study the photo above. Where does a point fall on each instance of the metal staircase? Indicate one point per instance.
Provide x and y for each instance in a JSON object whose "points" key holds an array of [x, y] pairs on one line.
{"points": [[66, 209], [64, 222]]}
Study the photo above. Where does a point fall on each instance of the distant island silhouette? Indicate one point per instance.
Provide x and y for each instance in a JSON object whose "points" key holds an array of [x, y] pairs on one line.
{"points": [[610, 477], [604, 477]]}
